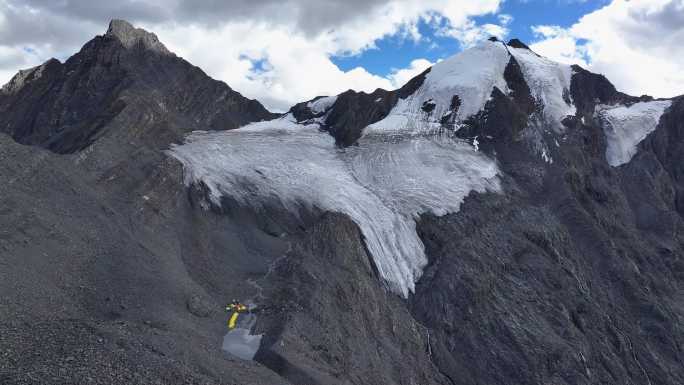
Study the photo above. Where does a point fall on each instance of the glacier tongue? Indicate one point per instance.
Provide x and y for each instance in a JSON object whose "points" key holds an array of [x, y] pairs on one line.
{"points": [[383, 184], [626, 126]]}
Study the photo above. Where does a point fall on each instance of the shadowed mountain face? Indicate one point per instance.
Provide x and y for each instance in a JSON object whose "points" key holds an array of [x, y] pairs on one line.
{"points": [[116, 259]]}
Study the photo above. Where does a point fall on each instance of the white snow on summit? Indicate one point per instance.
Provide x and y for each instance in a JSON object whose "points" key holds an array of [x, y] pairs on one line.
{"points": [[383, 184], [626, 126], [472, 75]]}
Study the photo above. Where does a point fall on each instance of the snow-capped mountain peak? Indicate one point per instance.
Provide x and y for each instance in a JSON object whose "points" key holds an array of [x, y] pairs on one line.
{"points": [[460, 86], [549, 83]]}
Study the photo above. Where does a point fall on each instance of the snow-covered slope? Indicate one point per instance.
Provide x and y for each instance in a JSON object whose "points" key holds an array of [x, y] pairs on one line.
{"points": [[459, 85], [626, 126], [549, 83], [382, 184]]}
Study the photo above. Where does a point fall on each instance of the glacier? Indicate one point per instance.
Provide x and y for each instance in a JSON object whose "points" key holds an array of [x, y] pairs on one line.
{"points": [[383, 184], [322, 104], [626, 126]]}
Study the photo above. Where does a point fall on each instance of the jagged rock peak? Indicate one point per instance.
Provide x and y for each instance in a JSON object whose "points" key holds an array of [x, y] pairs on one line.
{"points": [[130, 36], [24, 76]]}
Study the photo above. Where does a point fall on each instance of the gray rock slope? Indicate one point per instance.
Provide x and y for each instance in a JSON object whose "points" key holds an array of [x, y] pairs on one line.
{"points": [[112, 271]]}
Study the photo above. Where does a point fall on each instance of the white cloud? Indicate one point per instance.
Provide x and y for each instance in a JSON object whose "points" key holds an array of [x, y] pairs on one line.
{"points": [[636, 44], [470, 33], [295, 38], [295, 68], [299, 63], [558, 44], [505, 19], [399, 77]]}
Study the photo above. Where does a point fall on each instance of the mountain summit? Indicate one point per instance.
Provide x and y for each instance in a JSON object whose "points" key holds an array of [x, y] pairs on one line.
{"points": [[118, 84], [129, 36], [500, 219]]}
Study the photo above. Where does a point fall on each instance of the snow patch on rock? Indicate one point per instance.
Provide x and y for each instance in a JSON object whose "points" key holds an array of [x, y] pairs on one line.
{"points": [[321, 105], [383, 184], [626, 126]]}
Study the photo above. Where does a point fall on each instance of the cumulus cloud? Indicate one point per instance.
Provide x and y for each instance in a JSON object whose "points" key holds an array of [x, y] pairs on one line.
{"points": [[558, 44], [470, 33], [278, 51], [399, 77], [636, 44], [276, 65]]}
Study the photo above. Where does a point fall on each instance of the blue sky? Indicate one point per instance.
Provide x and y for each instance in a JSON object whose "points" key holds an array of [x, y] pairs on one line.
{"points": [[396, 52]]}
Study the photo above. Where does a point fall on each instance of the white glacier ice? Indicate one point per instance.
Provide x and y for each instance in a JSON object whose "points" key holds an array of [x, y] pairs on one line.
{"points": [[626, 126], [549, 83], [383, 184]]}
